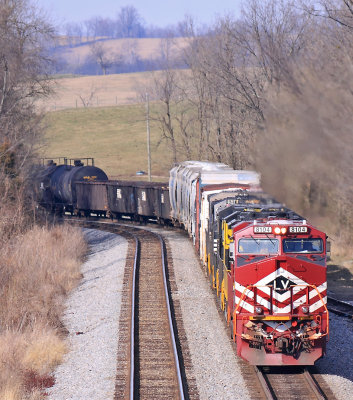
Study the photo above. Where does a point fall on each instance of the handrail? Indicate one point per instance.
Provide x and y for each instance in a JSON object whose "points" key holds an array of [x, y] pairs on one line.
{"points": [[235, 312]]}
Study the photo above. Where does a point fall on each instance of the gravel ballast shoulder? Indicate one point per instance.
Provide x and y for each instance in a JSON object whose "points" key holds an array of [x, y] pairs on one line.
{"points": [[337, 366], [91, 317]]}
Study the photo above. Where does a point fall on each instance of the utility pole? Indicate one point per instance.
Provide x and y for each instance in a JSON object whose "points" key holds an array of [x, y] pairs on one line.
{"points": [[148, 136]]}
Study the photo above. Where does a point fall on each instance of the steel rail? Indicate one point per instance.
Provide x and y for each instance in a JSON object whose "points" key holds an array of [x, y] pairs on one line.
{"points": [[270, 393], [314, 385], [170, 319], [333, 303], [266, 387], [132, 332]]}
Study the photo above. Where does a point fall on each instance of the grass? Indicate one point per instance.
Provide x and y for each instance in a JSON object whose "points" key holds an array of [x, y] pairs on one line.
{"points": [[115, 136], [100, 90], [38, 270]]}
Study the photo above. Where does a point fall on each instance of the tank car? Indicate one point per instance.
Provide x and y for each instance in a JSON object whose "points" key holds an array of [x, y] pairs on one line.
{"points": [[57, 183]]}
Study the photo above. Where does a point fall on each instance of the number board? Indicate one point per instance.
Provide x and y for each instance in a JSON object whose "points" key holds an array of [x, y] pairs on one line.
{"points": [[262, 229], [298, 229]]}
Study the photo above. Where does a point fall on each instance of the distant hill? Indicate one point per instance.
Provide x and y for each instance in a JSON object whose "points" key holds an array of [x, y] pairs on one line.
{"points": [[120, 55]]}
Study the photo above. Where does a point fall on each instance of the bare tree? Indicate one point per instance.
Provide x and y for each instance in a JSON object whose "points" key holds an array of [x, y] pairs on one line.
{"points": [[232, 68], [129, 23], [339, 11], [87, 97], [74, 33], [102, 57], [24, 69], [304, 150], [171, 110]]}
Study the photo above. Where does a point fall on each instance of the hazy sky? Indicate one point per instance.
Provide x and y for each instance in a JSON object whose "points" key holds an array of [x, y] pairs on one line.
{"points": [[154, 12]]}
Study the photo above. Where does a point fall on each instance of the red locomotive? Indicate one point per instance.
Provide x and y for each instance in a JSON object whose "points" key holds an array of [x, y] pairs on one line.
{"points": [[275, 289]]}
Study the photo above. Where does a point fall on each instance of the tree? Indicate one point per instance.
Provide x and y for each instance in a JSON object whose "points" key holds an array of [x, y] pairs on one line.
{"points": [[74, 33], [339, 11], [24, 68], [129, 23], [102, 56], [171, 110]]}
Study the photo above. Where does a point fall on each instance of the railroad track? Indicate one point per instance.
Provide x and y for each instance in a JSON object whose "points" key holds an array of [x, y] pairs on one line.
{"points": [[340, 307], [290, 383], [148, 360], [156, 371]]}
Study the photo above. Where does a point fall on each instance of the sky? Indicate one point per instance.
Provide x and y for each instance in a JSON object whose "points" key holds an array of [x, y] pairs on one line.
{"points": [[154, 12]]}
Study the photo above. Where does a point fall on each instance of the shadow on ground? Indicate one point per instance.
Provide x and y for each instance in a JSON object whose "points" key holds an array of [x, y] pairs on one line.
{"points": [[340, 282]]}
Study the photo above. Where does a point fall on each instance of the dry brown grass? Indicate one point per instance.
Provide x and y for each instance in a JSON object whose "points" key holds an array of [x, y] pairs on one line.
{"points": [[107, 90], [37, 270], [97, 91]]}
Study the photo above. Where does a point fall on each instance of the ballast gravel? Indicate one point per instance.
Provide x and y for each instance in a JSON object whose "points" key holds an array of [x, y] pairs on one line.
{"points": [[337, 366], [216, 369], [92, 316]]}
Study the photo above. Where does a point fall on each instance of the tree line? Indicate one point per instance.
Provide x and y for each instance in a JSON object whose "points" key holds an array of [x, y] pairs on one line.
{"points": [[272, 91], [127, 24]]}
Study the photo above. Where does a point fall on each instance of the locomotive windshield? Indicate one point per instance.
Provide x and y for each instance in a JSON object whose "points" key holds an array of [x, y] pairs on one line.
{"points": [[302, 245], [258, 246]]}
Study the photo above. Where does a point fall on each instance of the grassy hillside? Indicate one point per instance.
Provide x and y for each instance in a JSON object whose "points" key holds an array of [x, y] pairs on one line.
{"points": [[98, 91], [114, 136]]}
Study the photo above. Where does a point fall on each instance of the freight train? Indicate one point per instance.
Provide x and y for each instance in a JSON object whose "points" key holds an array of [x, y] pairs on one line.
{"points": [[266, 263]]}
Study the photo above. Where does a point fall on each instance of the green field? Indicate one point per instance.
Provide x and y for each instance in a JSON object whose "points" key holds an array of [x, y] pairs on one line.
{"points": [[115, 136]]}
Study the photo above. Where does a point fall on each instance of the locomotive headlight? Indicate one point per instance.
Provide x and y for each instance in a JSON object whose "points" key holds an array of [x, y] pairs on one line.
{"points": [[280, 230], [258, 310], [305, 309]]}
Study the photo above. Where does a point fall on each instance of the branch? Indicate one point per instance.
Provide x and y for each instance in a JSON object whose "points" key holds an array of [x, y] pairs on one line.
{"points": [[4, 85]]}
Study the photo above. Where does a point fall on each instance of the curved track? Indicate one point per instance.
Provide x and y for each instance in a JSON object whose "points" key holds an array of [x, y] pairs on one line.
{"points": [[148, 361]]}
